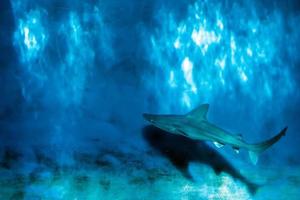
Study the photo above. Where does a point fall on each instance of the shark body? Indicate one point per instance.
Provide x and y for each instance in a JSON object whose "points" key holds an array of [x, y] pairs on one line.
{"points": [[195, 125]]}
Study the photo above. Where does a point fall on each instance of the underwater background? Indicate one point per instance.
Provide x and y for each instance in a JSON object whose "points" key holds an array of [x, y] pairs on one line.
{"points": [[76, 77]]}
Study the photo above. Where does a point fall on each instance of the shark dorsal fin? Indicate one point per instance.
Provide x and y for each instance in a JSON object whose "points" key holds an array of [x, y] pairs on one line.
{"points": [[199, 113]]}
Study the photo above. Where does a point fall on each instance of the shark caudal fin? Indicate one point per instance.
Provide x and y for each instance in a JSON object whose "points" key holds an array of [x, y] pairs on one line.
{"points": [[256, 149]]}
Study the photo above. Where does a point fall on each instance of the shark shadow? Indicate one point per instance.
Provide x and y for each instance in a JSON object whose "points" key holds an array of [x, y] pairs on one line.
{"points": [[181, 151]]}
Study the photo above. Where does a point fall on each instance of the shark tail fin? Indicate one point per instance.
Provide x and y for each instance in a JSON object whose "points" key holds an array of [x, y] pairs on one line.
{"points": [[256, 149]]}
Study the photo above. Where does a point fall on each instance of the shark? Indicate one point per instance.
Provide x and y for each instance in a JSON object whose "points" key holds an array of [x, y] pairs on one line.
{"points": [[194, 125]]}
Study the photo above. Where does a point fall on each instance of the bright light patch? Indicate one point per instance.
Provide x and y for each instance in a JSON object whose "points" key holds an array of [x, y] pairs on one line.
{"points": [[30, 37], [220, 24], [216, 187], [221, 78], [216, 52], [186, 100], [177, 44], [221, 62], [172, 82], [203, 38], [230, 190], [29, 40], [187, 68], [75, 27], [243, 75], [59, 52], [233, 49], [249, 52]]}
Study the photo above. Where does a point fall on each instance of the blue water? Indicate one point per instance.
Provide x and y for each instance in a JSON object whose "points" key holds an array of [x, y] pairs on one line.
{"points": [[76, 77]]}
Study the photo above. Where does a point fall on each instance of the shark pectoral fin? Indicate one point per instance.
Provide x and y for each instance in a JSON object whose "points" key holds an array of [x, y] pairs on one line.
{"points": [[253, 157], [218, 145], [236, 150]]}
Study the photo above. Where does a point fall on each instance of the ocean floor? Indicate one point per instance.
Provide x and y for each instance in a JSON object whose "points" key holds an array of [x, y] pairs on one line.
{"points": [[164, 170]]}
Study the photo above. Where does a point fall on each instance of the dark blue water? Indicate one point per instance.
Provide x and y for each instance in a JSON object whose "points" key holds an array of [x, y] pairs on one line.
{"points": [[75, 78]]}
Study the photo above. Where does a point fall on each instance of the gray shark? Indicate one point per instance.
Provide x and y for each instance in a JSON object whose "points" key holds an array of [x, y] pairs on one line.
{"points": [[195, 125]]}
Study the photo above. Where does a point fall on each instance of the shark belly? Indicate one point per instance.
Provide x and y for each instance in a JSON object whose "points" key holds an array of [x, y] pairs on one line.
{"points": [[209, 132]]}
